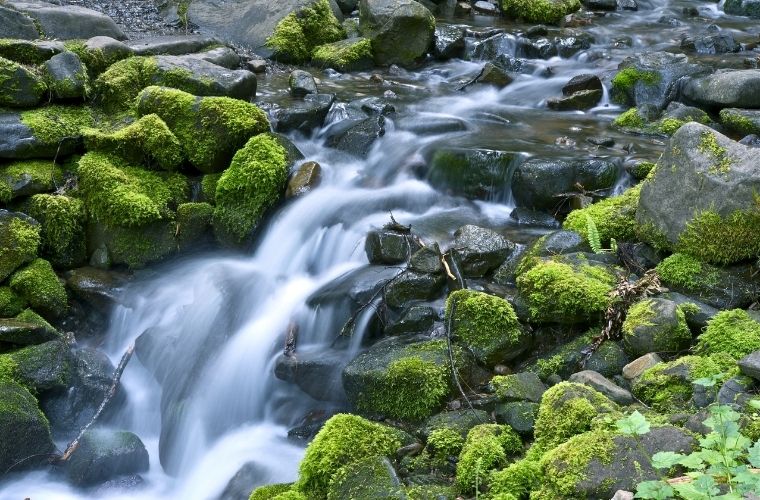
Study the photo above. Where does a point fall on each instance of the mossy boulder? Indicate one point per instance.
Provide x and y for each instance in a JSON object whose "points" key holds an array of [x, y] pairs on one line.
{"points": [[524, 386], [66, 77], [371, 477], [614, 218], [734, 333], [655, 325], [297, 35], [254, 182], [19, 86], [194, 223], [25, 430], [104, 454], [403, 380], [568, 289], [11, 303], [650, 78], [63, 221], [741, 121], [25, 178], [17, 332], [486, 448], [19, 241], [148, 141], [43, 367], [698, 219], [343, 439], [401, 31], [352, 54], [269, 491], [469, 172], [52, 131], [29, 52], [487, 325], [38, 284], [517, 479], [540, 11], [210, 129]]}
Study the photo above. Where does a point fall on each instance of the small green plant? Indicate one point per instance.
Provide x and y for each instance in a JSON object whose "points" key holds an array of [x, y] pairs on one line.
{"points": [[721, 468], [594, 240]]}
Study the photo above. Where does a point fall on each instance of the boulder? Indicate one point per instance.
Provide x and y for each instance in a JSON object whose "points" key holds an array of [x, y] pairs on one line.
{"points": [[239, 486], [581, 100], [97, 288], [46, 132], [491, 74], [539, 11], [711, 41], [43, 367], [401, 31], [15, 24], [449, 42], [480, 250], [603, 385], [356, 137], [749, 365], [473, 173], [638, 366], [655, 325], [523, 386], [202, 77], [68, 22], [460, 421], [352, 54], [317, 373], [372, 477], [411, 285], [698, 219], [105, 454], [26, 439], [14, 331], [725, 88], [30, 52], [417, 319], [19, 237], [306, 177], [173, 45], [519, 415], [385, 246], [301, 83], [741, 121], [19, 86], [581, 82], [304, 114], [608, 359], [67, 76]]}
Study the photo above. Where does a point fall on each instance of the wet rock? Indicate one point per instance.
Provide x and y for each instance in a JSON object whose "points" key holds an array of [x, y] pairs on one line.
{"points": [[424, 124], [581, 82], [604, 141], [307, 177], [526, 217], [173, 45], [487, 8], [603, 385], [492, 74], [347, 6], [67, 76], [411, 286], [13, 331], [449, 42], [303, 115], [725, 89], [401, 30], [712, 41], [628, 4], [559, 243], [372, 477], [301, 83], [697, 316], [655, 325], [749, 365], [749, 8], [473, 173], [257, 65], [69, 22], [608, 359], [15, 24], [372, 106], [600, 4], [105, 454], [572, 42], [97, 288], [317, 373], [239, 487], [359, 286], [385, 246], [520, 415], [17, 249], [751, 140], [357, 138], [204, 78], [488, 49], [427, 260], [581, 100], [524, 386], [351, 54], [635, 368], [44, 367], [19, 86], [480, 250], [26, 439], [540, 48], [417, 319], [537, 183]]}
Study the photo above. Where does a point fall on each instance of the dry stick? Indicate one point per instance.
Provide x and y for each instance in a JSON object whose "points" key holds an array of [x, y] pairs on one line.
{"points": [[72, 447]]}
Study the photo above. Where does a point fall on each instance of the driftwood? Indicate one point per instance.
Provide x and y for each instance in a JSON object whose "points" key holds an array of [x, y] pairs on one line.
{"points": [[115, 380]]}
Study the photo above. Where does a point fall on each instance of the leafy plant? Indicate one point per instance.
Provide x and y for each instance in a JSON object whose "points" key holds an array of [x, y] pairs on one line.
{"points": [[594, 239]]}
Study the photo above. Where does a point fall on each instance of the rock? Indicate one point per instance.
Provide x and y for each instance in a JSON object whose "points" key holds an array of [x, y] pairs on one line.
{"points": [[110, 49], [401, 31], [605, 141], [490, 47], [97, 288], [603, 385], [385, 246], [449, 42], [69, 22], [30, 52], [696, 318], [638, 366], [411, 285], [628, 5], [655, 325], [201, 77], [487, 8], [301, 83], [257, 65], [427, 260], [712, 41], [581, 100], [749, 365], [540, 48], [651, 78], [307, 177], [105, 454], [473, 173], [480, 250], [15, 24], [698, 219], [18, 140], [536, 182], [221, 56], [571, 42], [741, 121], [13, 331], [26, 439], [736, 391], [416, 320], [540, 11], [559, 243], [460, 421], [581, 82], [19, 86], [725, 89], [358, 286], [351, 54], [372, 477], [520, 415], [623, 495], [524, 386], [527, 217], [749, 8], [174, 45], [608, 359], [67, 76], [44, 367], [492, 74], [317, 373], [347, 6], [239, 487], [303, 115], [600, 4], [423, 124], [355, 137]]}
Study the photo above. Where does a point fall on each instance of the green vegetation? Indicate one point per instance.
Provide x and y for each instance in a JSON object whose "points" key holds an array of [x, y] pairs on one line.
{"points": [[540, 11], [666, 337], [53, 124], [708, 145], [269, 491], [344, 55], [731, 332], [627, 78], [444, 443], [19, 86], [517, 479], [630, 119], [11, 303], [713, 238], [614, 218], [19, 241], [735, 121], [38, 284], [63, 226], [37, 175], [486, 448], [299, 33], [683, 271]]}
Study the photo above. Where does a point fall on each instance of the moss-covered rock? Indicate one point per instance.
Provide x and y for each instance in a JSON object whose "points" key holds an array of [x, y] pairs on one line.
{"points": [[38, 284], [26, 436], [254, 182], [133, 246], [353, 54], [43, 367], [487, 325], [25, 178], [29, 316], [561, 290], [19, 241], [343, 440], [741, 121], [63, 222], [371, 477], [444, 443], [193, 223], [655, 325], [148, 141], [517, 479], [19, 86], [269, 491], [524, 386], [613, 217], [296, 36], [11, 303], [401, 31], [486, 448], [210, 129], [540, 11], [58, 128], [734, 333]]}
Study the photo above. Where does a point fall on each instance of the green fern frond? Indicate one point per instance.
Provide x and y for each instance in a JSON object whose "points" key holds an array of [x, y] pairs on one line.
{"points": [[592, 234]]}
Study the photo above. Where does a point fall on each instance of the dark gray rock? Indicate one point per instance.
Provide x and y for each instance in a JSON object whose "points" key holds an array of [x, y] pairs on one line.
{"points": [[307, 177], [418, 319], [489, 48], [26, 439], [571, 42], [581, 100], [449, 42], [97, 288], [600, 4], [385, 246], [736, 391], [661, 331], [487, 8], [628, 4], [304, 114], [520, 415], [30, 52], [239, 487], [401, 31], [527, 217], [523, 386], [603, 385], [301, 83], [370, 477], [491, 74], [725, 89], [741, 121], [458, 420], [347, 6], [45, 366], [427, 260], [424, 124], [201, 77], [581, 82], [410, 286], [480, 250], [357, 138], [69, 22], [473, 173], [15, 24], [358, 286], [608, 359], [20, 87], [749, 365], [559, 243], [173, 45], [221, 56], [712, 41], [749, 8], [540, 48], [67, 76], [13, 331], [698, 319], [317, 373], [105, 454], [110, 49]]}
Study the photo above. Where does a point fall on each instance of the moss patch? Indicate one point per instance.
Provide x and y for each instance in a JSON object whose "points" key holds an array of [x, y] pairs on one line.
{"points": [[344, 55], [296, 36], [540, 11], [55, 123], [731, 332], [736, 121], [38, 284], [708, 145], [35, 175], [269, 491], [11, 303], [19, 241], [486, 448], [63, 224], [626, 79], [713, 238], [614, 217], [518, 479]]}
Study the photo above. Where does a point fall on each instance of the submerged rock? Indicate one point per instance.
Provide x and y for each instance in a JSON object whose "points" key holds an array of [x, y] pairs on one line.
{"points": [[26, 439]]}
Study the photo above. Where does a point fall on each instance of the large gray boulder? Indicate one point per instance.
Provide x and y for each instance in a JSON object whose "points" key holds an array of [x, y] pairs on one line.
{"points": [[473, 173], [685, 206], [15, 24], [104, 454], [26, 438], [68, 22], [725, 89], [401, 31], [201, 77]]}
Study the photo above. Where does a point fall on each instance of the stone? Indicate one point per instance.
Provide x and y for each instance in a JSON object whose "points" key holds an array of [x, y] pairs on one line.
{"points": [[221, 56], [239, 486], [173, 45], [97, 288], [317, 373], [67, 76], [581, 82], [492, 74], [301, 83], [623, 495], [306, 177], [359, 287], [523, 386], [603, 385], [15, 24], [410, 285], [69, 22], [421, 124], [581, 100], [357, 137], [749, 365], [19, 244], [480, 250], [19, 86], [749, 8], [351, 54], [105, 454], [472, 173], [26, 439], [527, 217], [401, 31], [741, 121], [736, 391], [608, 359], [257, 65], [449, 42], [635, 368], [30, 52], [44, 367], [520, 415], [658, 326], [460, 421], [13, 331], [201, 77], [427, 260], [417, 319], [304, 114], [371, 477], [385, 246], [600, 4], [487, 8], [710, 42], [725, 89], [111, 49]]}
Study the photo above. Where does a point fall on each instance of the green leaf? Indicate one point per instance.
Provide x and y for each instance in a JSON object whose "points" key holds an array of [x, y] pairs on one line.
{"points": [[693, 461], [707, 484], [690, 491], [706, 381], [655, 490], [666, 459], [592, 234], [634, 424], [753, 454], [754, 403]]}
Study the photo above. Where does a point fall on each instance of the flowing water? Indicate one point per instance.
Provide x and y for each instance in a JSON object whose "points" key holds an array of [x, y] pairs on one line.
{"points": [[229, 314]]}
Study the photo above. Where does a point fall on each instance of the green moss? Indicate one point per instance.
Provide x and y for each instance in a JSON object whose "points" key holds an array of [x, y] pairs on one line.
{"points": [[642, 170], [735, 121], [269, 491], [19, 241], [668, 338], [680, 270], [210, 129], [431, 492], [296, 36], [39, 175], [208, 187], [139, 245], [722, 240], [486, 324], [290, 495], [11, 303], [29, 316], [539, 11], [669, 126], [518, 479], [567, 409], [55, 123], [626, 78], [11, 93], [147, 141], [708, 145], [614, 217], [63, 223], [96, 60], [193, 221], [118, 194], [649, 233], [343, 439], [38, 284], [118, 86], [253, 183], [549, 366], [8, 369], [559, 292], [345, 55], [444, 443], [366, 478], [22, 51], [630, 119], [732, 332], [486, 448]]}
